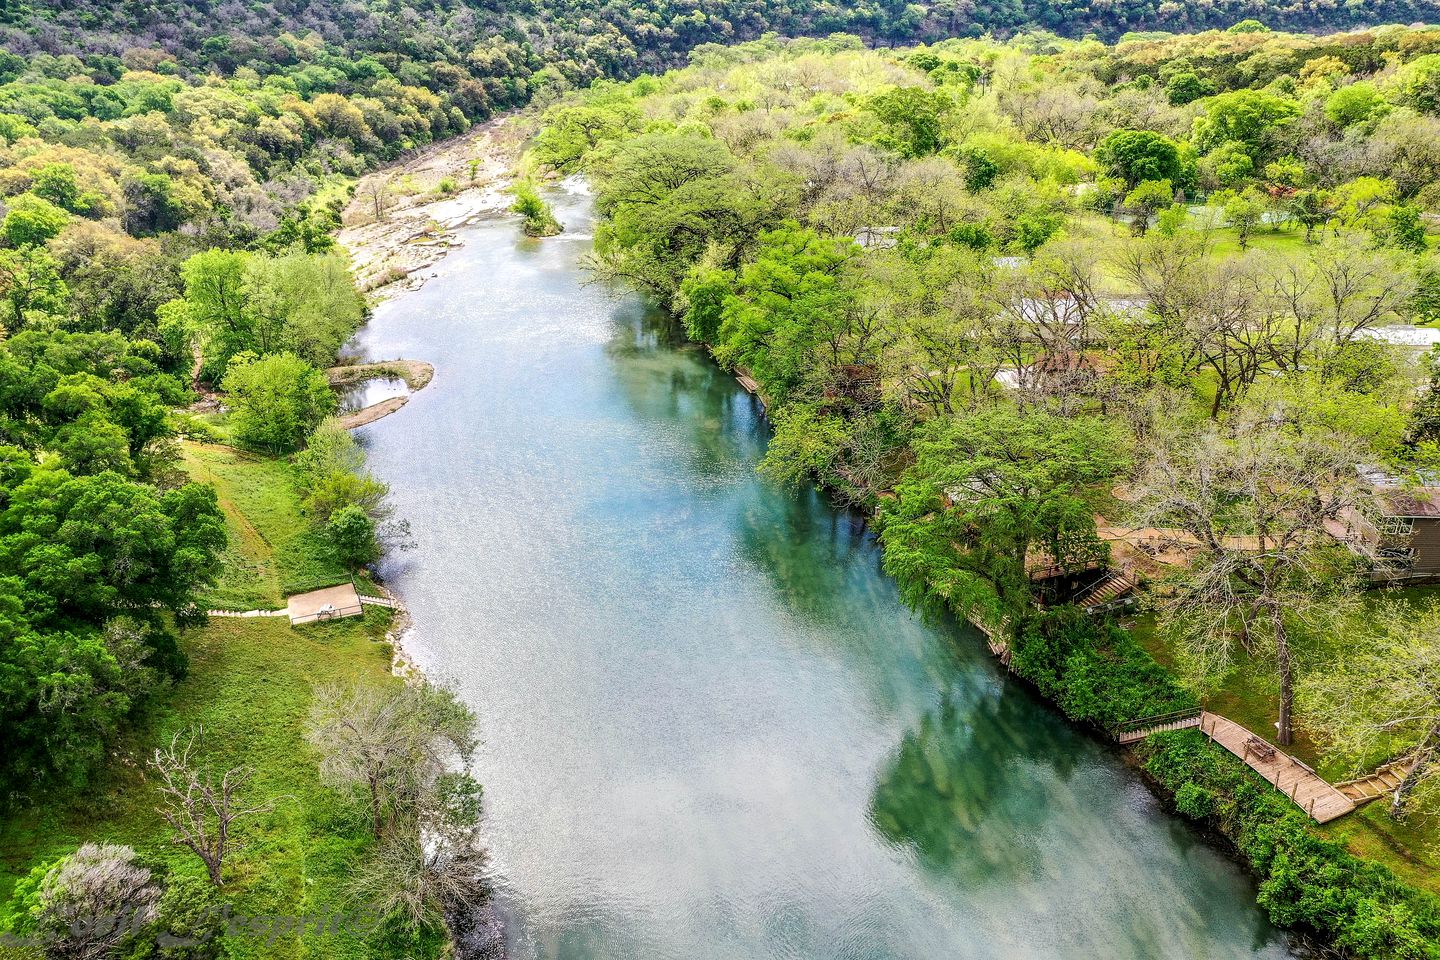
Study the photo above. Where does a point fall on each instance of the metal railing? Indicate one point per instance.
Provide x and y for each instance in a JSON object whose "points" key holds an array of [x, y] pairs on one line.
{"points": [[335, 613]]}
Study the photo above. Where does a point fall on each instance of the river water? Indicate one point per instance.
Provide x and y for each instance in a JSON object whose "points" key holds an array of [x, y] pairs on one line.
{"points": [[712, 730]]}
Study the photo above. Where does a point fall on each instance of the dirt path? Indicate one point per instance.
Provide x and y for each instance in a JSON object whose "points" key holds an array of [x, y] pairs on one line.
{"points": [[398, 224]]}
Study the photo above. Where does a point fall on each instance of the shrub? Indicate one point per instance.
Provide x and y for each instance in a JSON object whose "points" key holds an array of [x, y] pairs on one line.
{"points": [[1094, 670], [277, 400], [1305, 880], [354, 536], [539, 220]]}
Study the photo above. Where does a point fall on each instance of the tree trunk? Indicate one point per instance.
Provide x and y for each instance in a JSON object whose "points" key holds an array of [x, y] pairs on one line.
{"points": [[376, 821], [212, 864], [1285, 735], [1424, 756]]}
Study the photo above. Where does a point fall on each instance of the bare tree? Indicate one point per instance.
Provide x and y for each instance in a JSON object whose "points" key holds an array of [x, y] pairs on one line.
{"points": [[200, 808], [377, 194], [1219, 314], [386, 743], [93, 901], [434, 865], [1384, 694], [1249, 501]]}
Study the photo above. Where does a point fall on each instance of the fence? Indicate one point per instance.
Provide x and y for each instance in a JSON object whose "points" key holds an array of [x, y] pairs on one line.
{"points": [[334, 613], [1132, 730]]}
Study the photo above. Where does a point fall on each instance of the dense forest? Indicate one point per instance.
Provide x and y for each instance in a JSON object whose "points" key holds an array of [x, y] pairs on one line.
{"points": [[481, 57], [1049, 306], [170, 296]]}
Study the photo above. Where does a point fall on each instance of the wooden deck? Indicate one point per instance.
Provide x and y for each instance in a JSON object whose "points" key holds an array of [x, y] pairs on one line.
{"points": [[1291, 777], [330, 603]]}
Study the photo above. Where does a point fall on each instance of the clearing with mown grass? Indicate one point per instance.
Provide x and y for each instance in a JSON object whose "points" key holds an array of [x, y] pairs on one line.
{"points": [[274, 550], [249, 686]]}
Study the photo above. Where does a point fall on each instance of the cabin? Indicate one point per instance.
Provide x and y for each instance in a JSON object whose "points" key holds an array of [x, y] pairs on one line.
{"points": [[1400, 534]]}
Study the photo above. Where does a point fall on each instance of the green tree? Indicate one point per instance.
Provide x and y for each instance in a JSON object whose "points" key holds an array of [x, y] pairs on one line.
{"points": [[787, 300], [276, 400], [93, 444], [302, 302], [1312, 209], [667, 199], [89, 547], [32, 220], [1146, 200], [1417, 83], [1252, 118], [30, 284], [1355, 103], [1187, 87], [912, 119], [354, 535], [1139, 155], [989, 490], [1243, 211], [57, 183], [570, 132], [216, 306]]}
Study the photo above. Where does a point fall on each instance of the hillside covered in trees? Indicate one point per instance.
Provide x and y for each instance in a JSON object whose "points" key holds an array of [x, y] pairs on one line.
{"points": [[483, 57]]}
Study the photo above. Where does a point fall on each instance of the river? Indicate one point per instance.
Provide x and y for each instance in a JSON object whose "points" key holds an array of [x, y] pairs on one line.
{"points": [[712, 729]]}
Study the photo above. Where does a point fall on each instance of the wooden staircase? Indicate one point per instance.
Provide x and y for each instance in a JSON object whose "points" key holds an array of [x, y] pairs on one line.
{"points": [[1134, 731], [1382, 783], [996, 637], [1111, 587]]}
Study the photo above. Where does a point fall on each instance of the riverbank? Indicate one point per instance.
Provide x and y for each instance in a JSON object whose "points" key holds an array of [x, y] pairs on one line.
{"points": [[416, 374], [249, 687], [402, 219]]}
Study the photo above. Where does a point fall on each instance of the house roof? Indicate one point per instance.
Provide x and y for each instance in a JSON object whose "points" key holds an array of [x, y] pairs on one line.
{"points": [[1403, 335], [1417, 495], [1420, 503]]}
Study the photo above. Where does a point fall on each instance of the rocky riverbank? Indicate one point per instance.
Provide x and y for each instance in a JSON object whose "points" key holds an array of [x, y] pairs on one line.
{"points": [[403, 218]]}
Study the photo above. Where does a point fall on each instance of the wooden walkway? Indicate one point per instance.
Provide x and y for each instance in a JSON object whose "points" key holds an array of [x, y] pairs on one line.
{"points": [[1382, 783], [1128, 733], [327, 604], [1310, 792]]}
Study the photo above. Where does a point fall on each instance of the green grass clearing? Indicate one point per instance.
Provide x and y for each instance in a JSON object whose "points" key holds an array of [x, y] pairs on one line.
{"points": [[250, 685], [274, 549]]}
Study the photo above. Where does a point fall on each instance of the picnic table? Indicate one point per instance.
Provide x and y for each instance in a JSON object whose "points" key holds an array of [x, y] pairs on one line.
{"points": [[1260, 748]]}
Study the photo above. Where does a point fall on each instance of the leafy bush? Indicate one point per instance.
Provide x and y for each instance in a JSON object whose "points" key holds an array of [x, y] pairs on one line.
{"points": [[277, 399], [1306, 880], [539, 220], [354, 535], [1094, 670]]}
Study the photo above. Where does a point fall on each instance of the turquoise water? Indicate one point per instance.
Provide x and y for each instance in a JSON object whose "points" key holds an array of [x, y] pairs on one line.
{"points": [[712, 730]]}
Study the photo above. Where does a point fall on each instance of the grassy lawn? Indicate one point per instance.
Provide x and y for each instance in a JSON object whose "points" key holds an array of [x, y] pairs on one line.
{"points": [[250, 686], [274, 550], [1249, 697]]}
